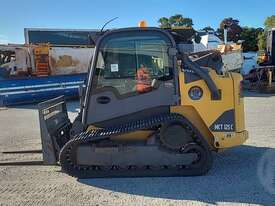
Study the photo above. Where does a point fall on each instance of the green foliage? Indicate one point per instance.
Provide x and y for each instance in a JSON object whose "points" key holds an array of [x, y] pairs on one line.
{"points": [[233, 27], [164, 22], [176, 20], [262, 40], [270, 22], [250, 37], [254, 38], [208, 28], [185, 35]]}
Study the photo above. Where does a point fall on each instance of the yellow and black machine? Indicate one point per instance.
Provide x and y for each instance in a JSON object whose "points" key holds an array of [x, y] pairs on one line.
{"points": [[148, 109]]}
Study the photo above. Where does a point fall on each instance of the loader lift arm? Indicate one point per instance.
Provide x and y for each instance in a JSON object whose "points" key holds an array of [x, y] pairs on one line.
{"points": [[215, 94]]}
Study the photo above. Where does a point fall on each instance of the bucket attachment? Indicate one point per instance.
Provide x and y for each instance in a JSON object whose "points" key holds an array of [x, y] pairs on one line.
{"points": [[54, 128]]}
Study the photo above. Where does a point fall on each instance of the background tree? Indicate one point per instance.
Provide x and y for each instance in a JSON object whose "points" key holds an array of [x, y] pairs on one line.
{"points": [[175, 20], [262, 40], [249, 35], [234, 29], [208, 28], [164, 22], [185, 35], [269, 23]]}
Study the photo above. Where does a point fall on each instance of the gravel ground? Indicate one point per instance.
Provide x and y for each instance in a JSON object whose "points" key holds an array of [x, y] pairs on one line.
{"points": [[244, 175]]}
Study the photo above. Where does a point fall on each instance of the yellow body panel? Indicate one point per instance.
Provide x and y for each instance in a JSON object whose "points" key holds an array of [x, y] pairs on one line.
{"points": [[137, 135], [239, 103], [192, 115], [210, 110], [203, 112], [230, 139]]}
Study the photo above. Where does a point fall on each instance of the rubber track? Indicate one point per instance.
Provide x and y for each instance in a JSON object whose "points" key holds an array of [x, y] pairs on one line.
{"points": [[68, 158]]}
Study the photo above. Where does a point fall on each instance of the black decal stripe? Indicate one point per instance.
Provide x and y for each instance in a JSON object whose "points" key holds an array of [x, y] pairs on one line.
{"points": [[225, 123]]}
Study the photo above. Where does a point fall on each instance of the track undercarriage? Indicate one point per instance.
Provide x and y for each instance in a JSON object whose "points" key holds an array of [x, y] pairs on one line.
{"points": [[96, 153]]}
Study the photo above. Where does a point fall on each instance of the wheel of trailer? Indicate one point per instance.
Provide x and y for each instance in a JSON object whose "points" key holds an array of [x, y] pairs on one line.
{"points": [[183, 136]]}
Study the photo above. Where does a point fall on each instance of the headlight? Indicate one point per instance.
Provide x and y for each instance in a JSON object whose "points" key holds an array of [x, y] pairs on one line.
{"points": [[195, 93]]}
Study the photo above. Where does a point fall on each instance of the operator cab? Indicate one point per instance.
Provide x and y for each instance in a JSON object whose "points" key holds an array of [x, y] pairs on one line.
{"points": [[131, 67]]}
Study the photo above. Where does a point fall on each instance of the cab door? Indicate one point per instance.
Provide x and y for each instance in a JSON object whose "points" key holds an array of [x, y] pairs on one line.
{"points": [[124, 60]]}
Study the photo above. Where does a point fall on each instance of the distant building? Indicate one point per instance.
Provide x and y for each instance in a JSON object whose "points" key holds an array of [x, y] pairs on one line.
{"points": [[60, 37], [209, 41]]}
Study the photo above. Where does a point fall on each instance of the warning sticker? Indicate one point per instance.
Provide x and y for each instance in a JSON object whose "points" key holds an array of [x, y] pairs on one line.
{"points": [[114, 67]]}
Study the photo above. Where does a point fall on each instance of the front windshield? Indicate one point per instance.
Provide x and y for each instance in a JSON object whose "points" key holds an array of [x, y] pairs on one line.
{"points": [[120, 58]]}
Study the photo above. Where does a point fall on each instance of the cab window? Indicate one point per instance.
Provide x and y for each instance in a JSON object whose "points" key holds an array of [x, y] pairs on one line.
{"points": [[133, 63]]}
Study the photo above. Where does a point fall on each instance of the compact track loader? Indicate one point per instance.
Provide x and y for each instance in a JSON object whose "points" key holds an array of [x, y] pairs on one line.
{"points": [[148, 109]]}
